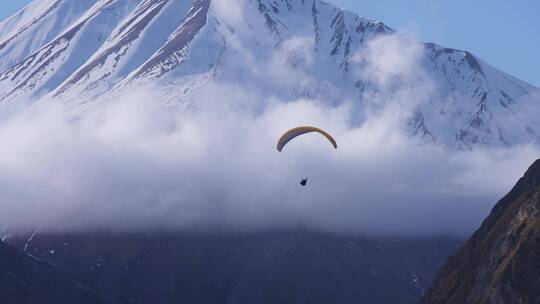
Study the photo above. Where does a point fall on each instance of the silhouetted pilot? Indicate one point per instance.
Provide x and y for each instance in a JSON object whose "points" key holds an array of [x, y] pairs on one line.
{"points": [[303, 182]]}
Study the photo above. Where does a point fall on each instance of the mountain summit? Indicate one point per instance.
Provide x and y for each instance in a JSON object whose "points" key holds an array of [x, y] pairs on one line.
{"points": [[500, 263], [77, 52]]}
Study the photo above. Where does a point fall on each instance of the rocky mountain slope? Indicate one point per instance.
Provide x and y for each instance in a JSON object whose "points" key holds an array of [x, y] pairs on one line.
{"points": [[78, 52], [500, 263], [259, 267], [24, 279]]}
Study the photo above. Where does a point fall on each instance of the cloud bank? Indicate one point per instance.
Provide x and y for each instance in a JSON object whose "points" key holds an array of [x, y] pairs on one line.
{"points": [[133, 164]]}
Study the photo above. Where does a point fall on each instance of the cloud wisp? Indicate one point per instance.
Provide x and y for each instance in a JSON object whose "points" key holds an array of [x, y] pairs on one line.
{"points": [[135, 165]]}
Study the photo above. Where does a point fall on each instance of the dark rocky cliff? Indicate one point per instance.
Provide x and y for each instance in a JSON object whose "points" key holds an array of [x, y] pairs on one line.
{"points": [[500, 263]]}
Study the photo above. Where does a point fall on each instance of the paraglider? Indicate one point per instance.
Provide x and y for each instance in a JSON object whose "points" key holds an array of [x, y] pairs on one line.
{"points": [[295, 132]]}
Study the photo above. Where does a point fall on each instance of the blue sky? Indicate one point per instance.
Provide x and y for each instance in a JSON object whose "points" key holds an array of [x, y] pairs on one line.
{"points": [[9, 6], [504, 33]]}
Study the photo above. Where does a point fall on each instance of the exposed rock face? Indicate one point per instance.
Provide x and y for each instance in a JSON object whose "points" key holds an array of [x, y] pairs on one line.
{"points": [[500, 263], [26, 280]]}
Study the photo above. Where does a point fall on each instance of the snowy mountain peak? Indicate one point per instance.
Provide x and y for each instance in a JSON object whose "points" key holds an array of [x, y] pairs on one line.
{"points": [[76, 51]]}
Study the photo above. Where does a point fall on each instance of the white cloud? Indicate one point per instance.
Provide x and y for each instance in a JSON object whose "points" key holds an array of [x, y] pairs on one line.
{"points": [[230, 11], [131, 164], [390, 67], [390, 60]]}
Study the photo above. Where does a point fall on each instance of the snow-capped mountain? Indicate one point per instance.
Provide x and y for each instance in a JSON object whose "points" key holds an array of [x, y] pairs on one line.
{"points": [[76, 51]]}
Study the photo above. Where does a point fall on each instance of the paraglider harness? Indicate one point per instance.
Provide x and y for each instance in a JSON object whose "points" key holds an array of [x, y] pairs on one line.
{"points": [[303, 182]]}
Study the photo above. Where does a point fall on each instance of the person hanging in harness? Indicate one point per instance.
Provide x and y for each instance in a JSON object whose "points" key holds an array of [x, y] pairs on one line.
{"points": [[298, 131]]}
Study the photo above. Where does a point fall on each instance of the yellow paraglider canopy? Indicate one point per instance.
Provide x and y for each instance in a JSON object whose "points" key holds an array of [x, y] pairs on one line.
{"points": [[295, 132]]}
